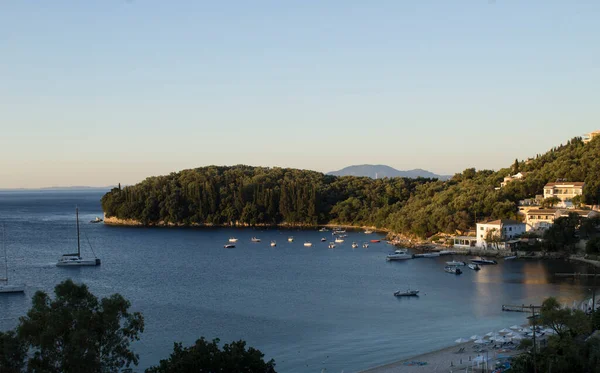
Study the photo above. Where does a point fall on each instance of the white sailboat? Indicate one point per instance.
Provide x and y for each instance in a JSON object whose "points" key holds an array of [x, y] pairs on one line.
{"points": [[5, 286], [75, 259]]}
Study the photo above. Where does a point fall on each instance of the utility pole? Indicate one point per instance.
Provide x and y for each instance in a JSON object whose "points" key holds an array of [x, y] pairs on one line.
{"points": [[534, 345]]}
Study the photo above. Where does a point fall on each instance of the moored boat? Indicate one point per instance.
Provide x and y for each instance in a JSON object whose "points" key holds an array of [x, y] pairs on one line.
{"points": [[323, 239], [290, 239], [254, 239], [228, 246], [456, 263], [339, 240], [474, 266], [453, 270], [365, 245], [323, 230], [75, 259], [375, 241], [233, 239], [354, 245], [400, 254], [407, 293], [273, 243], [331, 245], [368, 231], [511, 257], [484, 261], [308, 244], [5, 285], [97, 220]]}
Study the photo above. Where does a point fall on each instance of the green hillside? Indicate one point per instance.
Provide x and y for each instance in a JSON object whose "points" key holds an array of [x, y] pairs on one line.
{"points": [[420, 207]]}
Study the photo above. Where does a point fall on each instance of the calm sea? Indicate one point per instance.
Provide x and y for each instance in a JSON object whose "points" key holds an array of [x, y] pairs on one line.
{"points": [[308, 308]]}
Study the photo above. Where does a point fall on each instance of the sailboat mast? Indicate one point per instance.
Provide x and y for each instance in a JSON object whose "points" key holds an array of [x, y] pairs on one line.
{"points": [[78, 244], [5, 256]]}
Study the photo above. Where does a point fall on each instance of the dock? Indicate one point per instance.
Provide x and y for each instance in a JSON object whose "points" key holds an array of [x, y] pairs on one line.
{"points": [[521, 308], [577, 274]]}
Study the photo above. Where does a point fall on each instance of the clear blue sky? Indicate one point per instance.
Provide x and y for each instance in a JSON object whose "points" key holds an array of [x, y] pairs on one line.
{"points": [[101, 92]]}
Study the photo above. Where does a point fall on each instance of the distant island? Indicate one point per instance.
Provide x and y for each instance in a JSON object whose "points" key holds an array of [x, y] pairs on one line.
{"points": [[380, 171], [413, 207]]}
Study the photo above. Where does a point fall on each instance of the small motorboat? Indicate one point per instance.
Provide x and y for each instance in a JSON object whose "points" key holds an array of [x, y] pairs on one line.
{"points": [[407, 293], [365, 245], [456, 263], [96, 220], [273, 243], [368, 231], [354, 245], [233, 239], [400, 254], [331, 245], [254, 239], [308, 244], [323, 230], [510, 257], [484, 261], [323, 239], [339, 240], [229, 246], [375, 241], [290, 239], [474, 266], [453, 270], [338, 231]]}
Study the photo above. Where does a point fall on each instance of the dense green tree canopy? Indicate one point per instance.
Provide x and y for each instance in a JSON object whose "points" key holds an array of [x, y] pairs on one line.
{"points": [[421, 207], [207, 357]]}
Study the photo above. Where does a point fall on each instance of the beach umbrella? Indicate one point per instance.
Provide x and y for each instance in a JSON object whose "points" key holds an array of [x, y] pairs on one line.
{"points": [[515, 327], [504, 330], [490, 334], [475, 336], [517, 337], [462, 340], [549, 331], [500, 340], [480, 341], [510, 334]]}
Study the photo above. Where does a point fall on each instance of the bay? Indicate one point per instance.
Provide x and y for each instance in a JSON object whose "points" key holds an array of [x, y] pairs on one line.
{"points": [[308, 308]]}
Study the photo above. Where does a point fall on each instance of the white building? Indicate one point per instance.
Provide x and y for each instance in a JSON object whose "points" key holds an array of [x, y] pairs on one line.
{"points": [[517, 176], [503, 229], [565, 191]]}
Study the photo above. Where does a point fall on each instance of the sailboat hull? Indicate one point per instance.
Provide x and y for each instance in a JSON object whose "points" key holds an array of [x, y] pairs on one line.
{"points": [[77, 262], [12, 288]]}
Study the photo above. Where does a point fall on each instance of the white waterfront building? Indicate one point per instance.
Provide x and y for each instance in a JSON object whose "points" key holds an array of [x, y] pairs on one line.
{"points": [[504, 229]]}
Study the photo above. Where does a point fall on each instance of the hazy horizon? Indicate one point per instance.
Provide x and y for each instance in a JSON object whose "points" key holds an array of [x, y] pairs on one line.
{"points": [[98, 93]]}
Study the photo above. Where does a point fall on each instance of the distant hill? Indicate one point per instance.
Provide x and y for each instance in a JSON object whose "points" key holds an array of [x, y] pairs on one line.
{"points": [[379, 171]]}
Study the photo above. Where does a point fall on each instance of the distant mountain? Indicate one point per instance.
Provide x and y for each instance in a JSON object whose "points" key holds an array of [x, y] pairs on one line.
{"points": [[379, 171]]}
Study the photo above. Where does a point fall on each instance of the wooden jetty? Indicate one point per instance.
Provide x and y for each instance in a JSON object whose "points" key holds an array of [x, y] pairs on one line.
{"points": [[521, 308]]}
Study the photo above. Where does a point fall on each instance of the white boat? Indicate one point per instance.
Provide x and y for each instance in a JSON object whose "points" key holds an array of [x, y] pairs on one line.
{"points": [[338, 231], [407, 293], [483, 261], [510, 257], [365, 245], [5, 286], [453, 270], [229, 246], [273, 243], [400, 254], [290, 239], [456, 263], [233, 239], [354, 245], [331, 245], [308, 244], [323, 230], [474, 266], [339, 240], [254, 239], [96, 220], [75, 259], [368, 231], [323, 239]]}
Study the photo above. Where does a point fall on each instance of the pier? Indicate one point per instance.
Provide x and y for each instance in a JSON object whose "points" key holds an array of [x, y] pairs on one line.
{"points": [[521, 308]]}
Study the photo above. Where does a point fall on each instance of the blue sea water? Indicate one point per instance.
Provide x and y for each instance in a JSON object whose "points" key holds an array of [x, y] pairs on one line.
{"points": [[308, 308]]}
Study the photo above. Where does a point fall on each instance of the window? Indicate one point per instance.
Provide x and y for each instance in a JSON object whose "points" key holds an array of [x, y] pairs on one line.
{"points": [[481, 228], [510, 229]]}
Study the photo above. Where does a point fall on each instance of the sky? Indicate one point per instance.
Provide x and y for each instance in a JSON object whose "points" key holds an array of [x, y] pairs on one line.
{"points": [[101, 92]]}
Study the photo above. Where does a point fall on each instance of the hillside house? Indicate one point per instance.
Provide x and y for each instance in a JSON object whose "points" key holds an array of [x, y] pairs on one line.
{"points": [[517, 176], [565, 191], [540, 218], [588, 137], [500, 231]]}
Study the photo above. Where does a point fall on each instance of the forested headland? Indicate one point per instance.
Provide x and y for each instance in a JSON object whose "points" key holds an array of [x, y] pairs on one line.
{"points": [[244, 195]]}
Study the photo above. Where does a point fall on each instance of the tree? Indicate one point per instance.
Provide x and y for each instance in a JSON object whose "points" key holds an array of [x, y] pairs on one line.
{"points": [[77, 333], [550, 202], [515, 167], [206, 356], [12, 353]]}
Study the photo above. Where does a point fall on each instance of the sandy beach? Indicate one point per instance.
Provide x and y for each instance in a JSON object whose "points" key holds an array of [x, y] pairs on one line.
{"points": [[446, 360]]}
